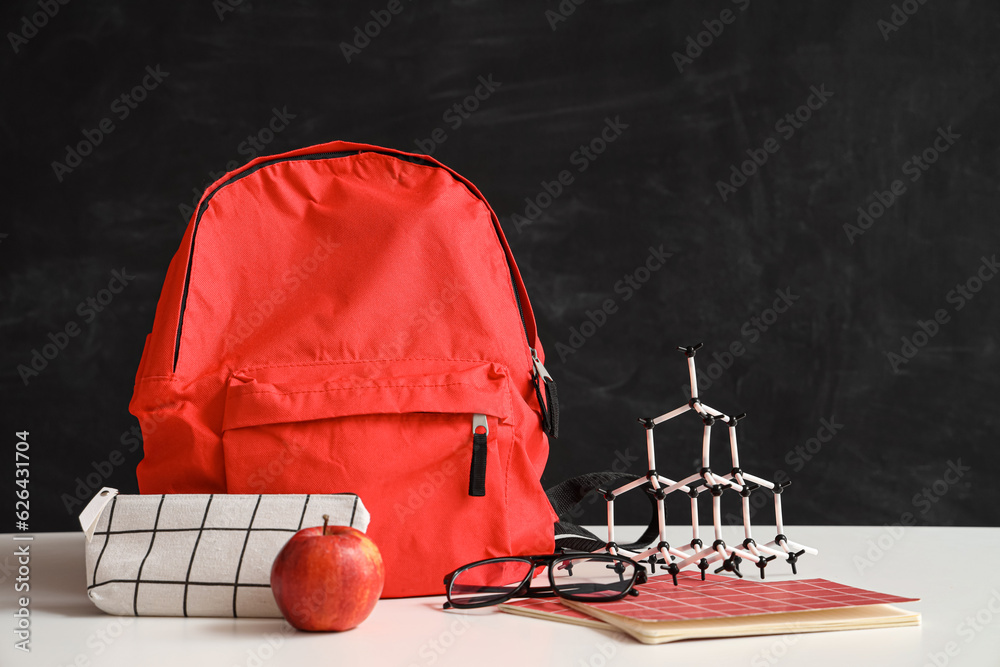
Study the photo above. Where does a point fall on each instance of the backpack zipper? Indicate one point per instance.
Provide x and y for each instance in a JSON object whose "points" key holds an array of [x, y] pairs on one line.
{"points": [[316, 156], [197, 222], [550, 414]]}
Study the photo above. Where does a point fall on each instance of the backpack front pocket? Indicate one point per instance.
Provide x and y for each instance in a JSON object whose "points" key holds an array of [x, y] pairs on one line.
{"points": [[294, 429], [426, 445]]}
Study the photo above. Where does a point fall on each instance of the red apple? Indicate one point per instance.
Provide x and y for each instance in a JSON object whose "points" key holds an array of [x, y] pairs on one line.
{"points": [[327, 578]]}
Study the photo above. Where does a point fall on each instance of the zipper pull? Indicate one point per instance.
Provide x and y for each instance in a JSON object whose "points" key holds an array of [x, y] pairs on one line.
{"points": [[539, 368], [477, 475], [550, 404], [479, 422]]}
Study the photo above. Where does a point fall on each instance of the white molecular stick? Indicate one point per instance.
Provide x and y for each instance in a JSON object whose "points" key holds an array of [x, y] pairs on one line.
{"points": [[696, 553]]}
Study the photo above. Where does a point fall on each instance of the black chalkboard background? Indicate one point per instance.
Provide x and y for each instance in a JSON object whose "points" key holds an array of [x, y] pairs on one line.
{"points": [[909, 435]]}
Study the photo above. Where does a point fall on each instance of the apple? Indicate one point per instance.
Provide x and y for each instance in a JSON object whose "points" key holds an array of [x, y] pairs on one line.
{"points": [[327, 578]]}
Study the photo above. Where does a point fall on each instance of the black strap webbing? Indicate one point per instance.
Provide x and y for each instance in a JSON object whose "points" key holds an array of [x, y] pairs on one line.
{"points": [[549, 404], [552, 401], [567, 495]]}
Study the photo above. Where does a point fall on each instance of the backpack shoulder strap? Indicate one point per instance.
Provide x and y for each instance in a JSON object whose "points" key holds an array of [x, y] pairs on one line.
{"points": [[566, 495]]}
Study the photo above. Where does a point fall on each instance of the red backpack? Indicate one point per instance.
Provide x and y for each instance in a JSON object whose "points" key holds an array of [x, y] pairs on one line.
{"points": [[348, 318]]}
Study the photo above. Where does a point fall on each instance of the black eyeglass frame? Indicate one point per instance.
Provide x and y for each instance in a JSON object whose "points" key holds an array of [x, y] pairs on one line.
{"points": [[524, 589]]}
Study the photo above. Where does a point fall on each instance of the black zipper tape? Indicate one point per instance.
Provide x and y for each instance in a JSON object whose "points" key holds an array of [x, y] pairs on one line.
{"points": [[477, 475]]}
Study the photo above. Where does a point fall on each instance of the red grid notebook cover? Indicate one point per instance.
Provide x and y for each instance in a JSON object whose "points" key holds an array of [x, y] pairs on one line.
{"points": [[718, 597], [552, 607]]}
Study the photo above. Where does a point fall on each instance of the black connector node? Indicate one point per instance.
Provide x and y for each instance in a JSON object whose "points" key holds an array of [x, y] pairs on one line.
{"points": [[731, 564], [672, 570], [690, 350], [793, 558], [762, 563]]}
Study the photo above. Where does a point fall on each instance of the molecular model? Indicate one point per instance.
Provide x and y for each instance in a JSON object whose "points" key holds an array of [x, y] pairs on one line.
{"points": [[695, 552]]}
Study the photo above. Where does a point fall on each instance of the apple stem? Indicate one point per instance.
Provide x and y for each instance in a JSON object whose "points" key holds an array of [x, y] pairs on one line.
{"points": [[326, 519]]}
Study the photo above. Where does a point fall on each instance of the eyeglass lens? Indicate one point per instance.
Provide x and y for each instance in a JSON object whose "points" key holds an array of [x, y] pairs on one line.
{"points": [[488, 582], [583, 578]]}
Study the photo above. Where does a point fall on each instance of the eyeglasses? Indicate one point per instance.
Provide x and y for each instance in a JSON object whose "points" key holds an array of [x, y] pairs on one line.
{"points": [[583, 577]]}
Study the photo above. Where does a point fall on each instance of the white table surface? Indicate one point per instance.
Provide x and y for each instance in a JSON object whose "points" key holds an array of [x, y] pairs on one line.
{"points": [[67, 629]]}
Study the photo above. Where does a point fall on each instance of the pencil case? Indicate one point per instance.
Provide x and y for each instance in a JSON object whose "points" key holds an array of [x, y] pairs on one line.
{"points": [[197, 554]]}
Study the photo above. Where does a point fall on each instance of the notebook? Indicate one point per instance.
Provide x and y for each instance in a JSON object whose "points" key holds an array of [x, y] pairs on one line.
{"points": [[727, 607]]}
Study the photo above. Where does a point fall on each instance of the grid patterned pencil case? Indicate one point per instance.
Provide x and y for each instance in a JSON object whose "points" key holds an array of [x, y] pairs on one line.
{"points": [[197, 554]]}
